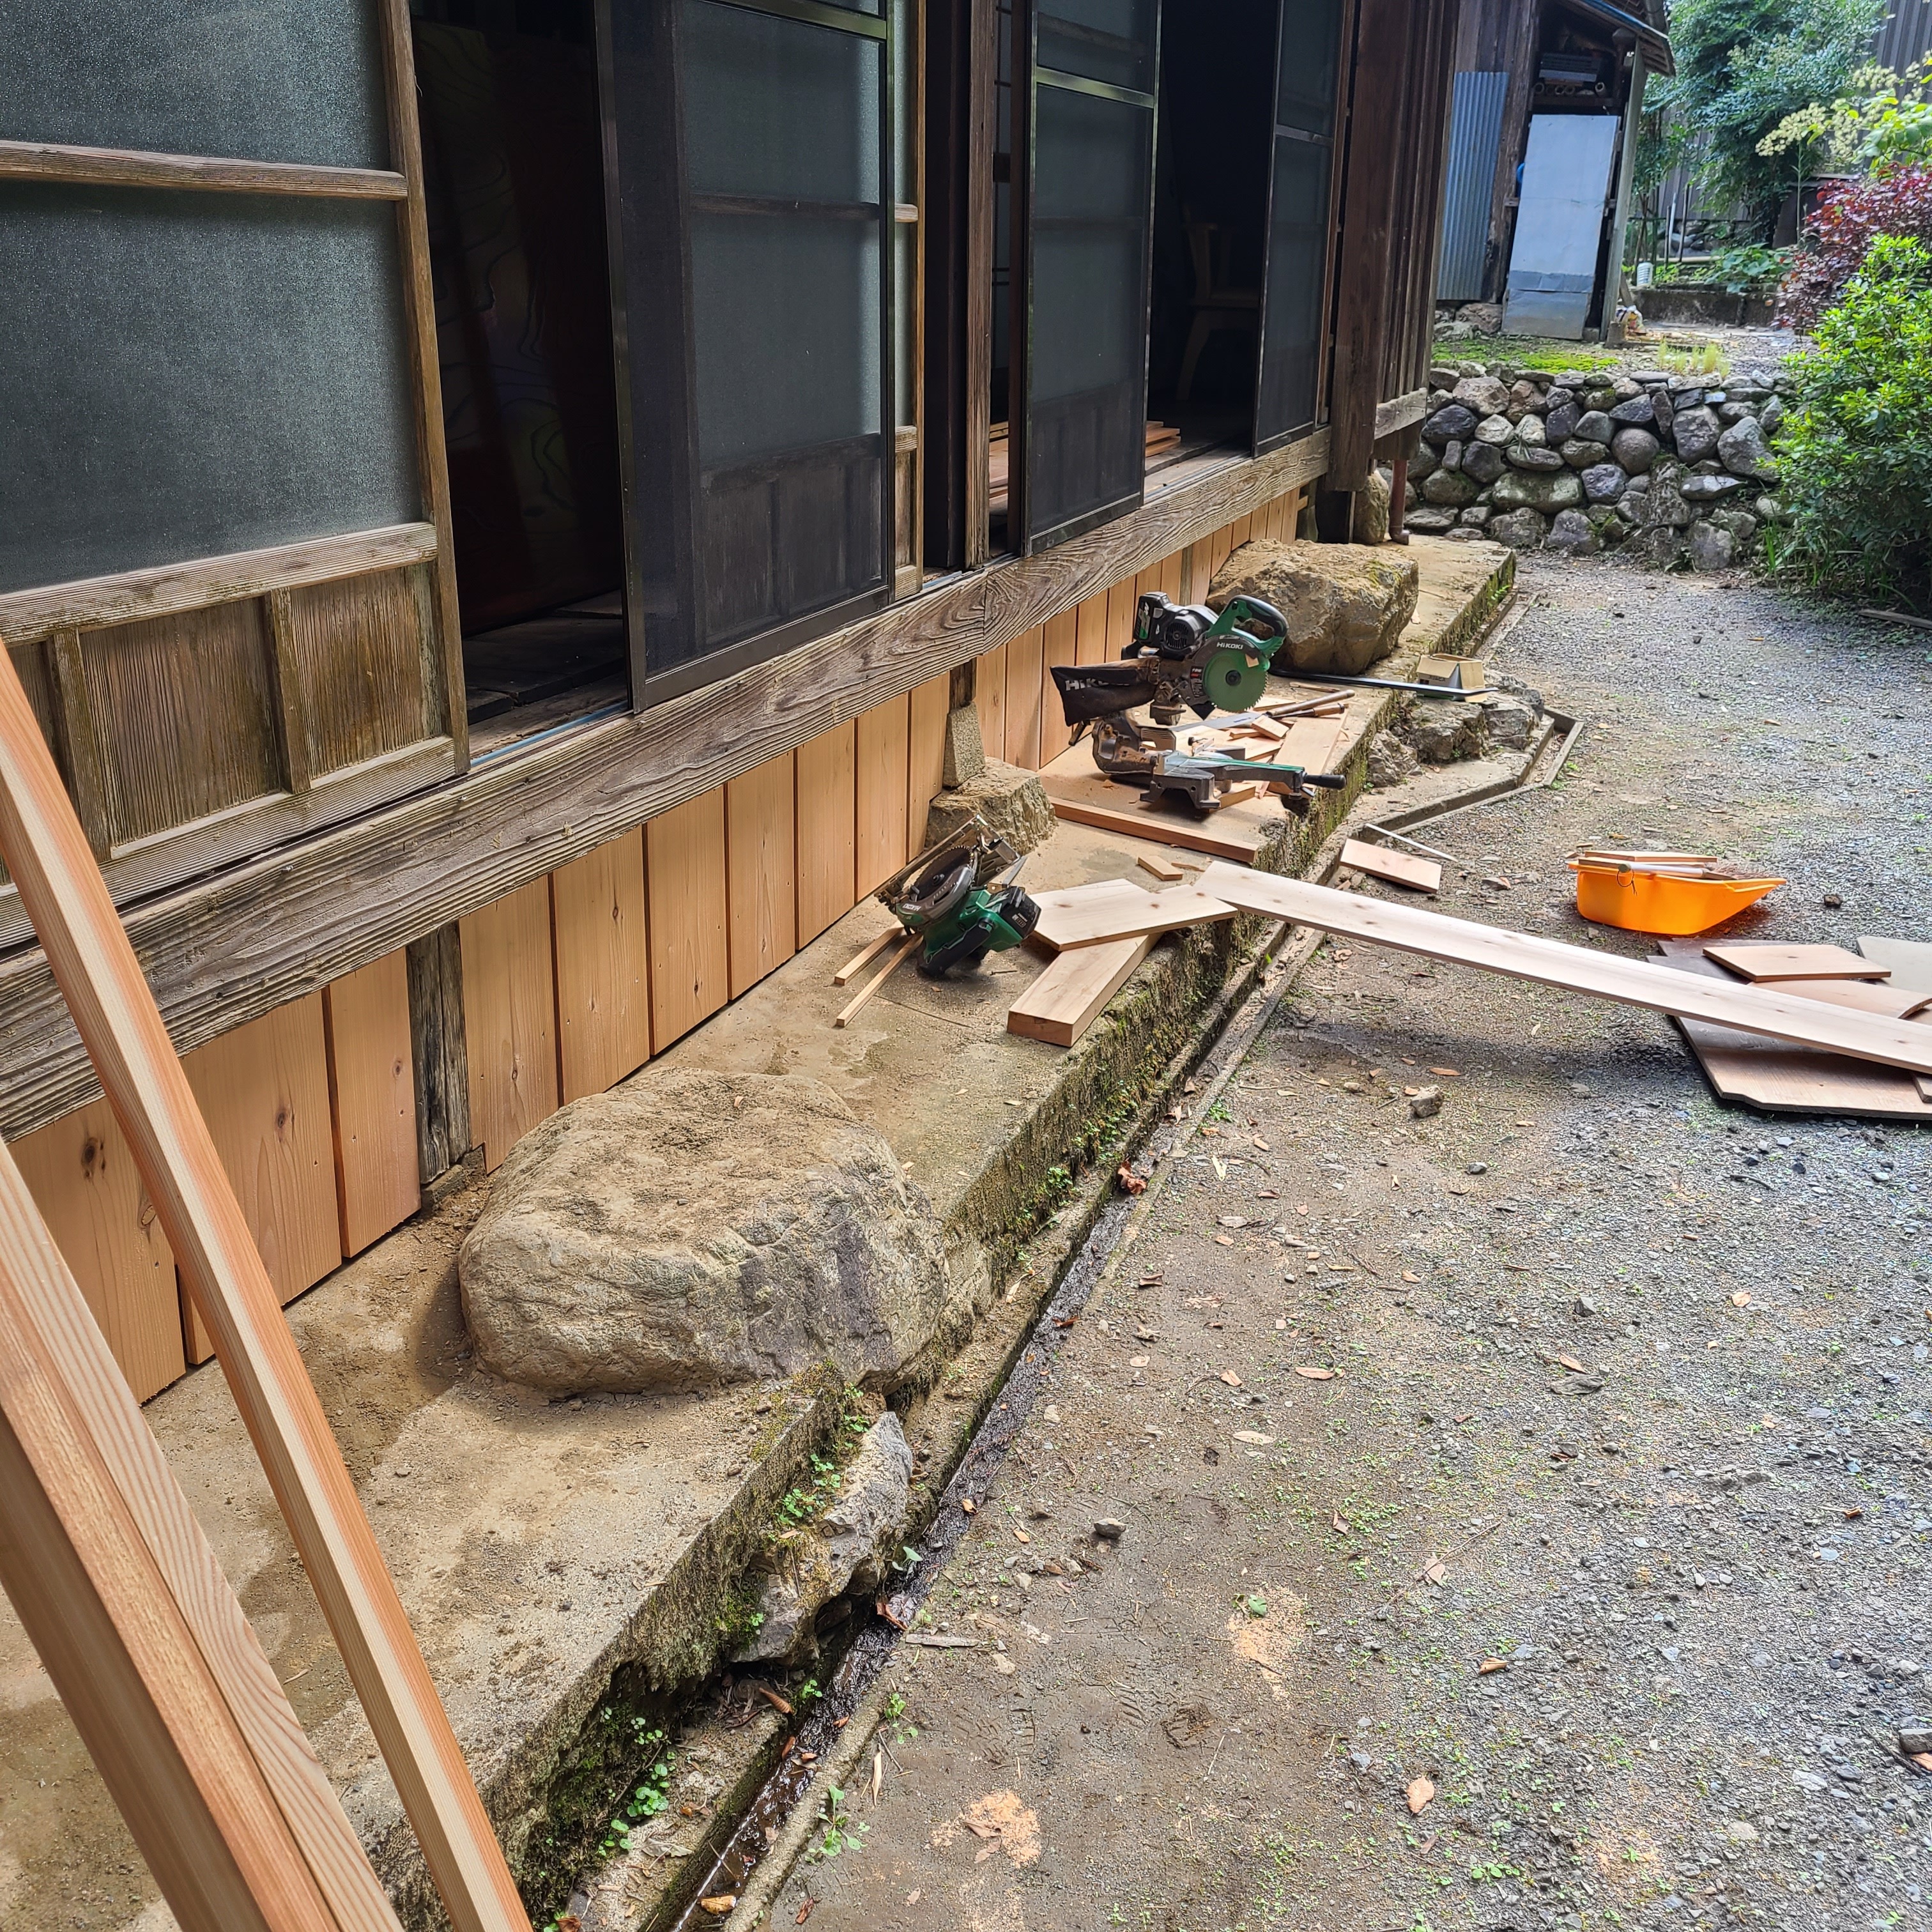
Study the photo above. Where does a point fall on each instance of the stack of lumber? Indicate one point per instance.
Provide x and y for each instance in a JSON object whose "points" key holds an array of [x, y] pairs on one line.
{"points": [[1669, 865]]}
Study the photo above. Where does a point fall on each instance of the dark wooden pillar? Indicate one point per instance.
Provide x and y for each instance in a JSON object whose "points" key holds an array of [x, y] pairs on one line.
{"points": [[437, 1043]]}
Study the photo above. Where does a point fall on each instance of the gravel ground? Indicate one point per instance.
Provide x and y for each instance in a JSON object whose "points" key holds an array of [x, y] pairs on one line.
{"points": [[1647, 1620]]}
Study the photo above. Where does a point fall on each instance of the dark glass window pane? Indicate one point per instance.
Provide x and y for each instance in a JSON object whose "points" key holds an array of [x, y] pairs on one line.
{"points": [[1298, 258], [1110, 41], [265, 80], [1087, 369], [784, 171], [189, 375], [1310, 32]]}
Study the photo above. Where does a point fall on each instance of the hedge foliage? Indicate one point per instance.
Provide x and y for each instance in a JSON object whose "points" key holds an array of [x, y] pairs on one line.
{"points": [[1854, 452], [1838, 238]]}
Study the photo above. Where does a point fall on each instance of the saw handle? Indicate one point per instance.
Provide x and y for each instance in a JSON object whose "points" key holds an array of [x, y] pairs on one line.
{"points": [[1328, 780]]}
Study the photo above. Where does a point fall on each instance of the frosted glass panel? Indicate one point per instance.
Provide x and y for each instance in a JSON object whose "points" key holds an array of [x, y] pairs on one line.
{"points": [[1111, 40], [1297, 262], [774, 107], [1086, 376], [265, 80], [1306, 81], [188, 375]]}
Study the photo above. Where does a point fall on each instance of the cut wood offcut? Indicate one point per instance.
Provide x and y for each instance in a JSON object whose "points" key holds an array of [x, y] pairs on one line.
{"points": [[1118, 909], [1399, 869], [1755, 1010], [1764, 962], [1071, 995]]}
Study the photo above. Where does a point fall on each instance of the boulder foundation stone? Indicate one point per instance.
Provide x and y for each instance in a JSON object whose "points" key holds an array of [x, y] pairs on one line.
{"points": [[690, 1228], [1346, 604], [1009, 799]]}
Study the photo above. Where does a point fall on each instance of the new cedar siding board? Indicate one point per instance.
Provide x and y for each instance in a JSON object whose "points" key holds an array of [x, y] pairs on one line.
{"points": [[761, 860], [509, 1003], [372, 1100], [603, 992]]}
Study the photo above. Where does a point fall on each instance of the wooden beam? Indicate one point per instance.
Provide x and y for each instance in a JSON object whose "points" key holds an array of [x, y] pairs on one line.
{"points": [[399, 70], [288, 922], [46, 851], [89, 603], [124, 167], [438, 1051], [1364, 281], [90, 1493], [1608, 975]]}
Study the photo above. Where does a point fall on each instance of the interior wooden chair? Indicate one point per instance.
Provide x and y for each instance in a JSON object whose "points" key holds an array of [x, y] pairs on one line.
{"points": [[1216, 305]]}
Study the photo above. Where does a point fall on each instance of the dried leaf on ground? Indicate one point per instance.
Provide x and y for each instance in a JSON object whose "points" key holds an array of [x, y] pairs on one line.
{"points": [[777, 1702], [1490, 1665], [1741, 1299], [1131, 1183], [1255, 1436], [1419, 1794], [1340, 1521], [1228, 1376], [1570, 1363], [1316, 1374], [1434, 1573], [720, 1905]]}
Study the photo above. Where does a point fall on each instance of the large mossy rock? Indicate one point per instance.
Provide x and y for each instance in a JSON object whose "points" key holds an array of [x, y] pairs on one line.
{"points": [[1346, 603], [690, 1228]]}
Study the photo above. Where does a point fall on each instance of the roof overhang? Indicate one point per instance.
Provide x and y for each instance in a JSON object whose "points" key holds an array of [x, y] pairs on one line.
{"points": [[1654, 43]]}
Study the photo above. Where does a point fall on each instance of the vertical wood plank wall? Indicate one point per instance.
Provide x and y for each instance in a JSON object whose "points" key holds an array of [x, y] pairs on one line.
{"points": [[570, 983]]}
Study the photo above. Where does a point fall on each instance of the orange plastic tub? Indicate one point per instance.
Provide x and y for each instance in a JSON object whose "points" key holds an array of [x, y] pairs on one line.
{"points": [[1640, 901]]}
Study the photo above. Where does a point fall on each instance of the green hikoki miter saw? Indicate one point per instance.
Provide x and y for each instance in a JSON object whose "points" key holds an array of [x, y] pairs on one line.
{"points": [[1186, 657], [963, 899]]}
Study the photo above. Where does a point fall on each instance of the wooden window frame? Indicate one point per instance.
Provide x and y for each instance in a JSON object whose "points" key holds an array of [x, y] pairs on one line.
{"points": [[49, 618], [671, 492], [1029, 76], [1337, 145]]}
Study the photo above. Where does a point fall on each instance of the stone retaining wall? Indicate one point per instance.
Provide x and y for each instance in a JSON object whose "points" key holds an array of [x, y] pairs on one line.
{"points": [[1674, 469]]}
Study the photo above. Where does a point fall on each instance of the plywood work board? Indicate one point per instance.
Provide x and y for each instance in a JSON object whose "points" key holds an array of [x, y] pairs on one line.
{"points": [[1400, 868], [1780, 1079], [1071, 994], [1760, 963], [1755, 1010]]}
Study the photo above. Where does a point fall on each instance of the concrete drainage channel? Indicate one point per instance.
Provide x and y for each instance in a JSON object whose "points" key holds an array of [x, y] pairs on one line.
{"points": [[828, 1749]]}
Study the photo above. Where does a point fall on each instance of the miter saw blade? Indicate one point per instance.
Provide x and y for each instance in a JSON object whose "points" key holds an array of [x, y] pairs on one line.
{"points": [[1232, 680]]}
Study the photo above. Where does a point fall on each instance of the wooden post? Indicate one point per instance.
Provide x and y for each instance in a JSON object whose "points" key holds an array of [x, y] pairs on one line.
{"points": [[94, 1529], [1398, 491], [100, 979], [438, 1048]]}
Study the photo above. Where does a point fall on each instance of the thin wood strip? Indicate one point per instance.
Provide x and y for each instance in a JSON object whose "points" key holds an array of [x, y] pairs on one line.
{"points": [[89, 603], [288, 686], [872, 985], [129, 167], [399, 76], [46, 853], [86, 764], [41, 1293], [859, 961], [1607, 976]]}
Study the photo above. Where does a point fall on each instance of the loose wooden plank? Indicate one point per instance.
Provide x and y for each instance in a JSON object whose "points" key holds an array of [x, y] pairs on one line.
{"points": [[1780, 1079], [509, 1003], [1608, 976], [1070, 905], [1907, 962], [602, 965], [989, 694], [1165, 870], [689, 918], [100, 978], [1101, 919], [263, 1091], [827, 809], [56, 1349], [846, 1013], [1864, 996], [82, 1174], [1073, 991], [1767, 965], [864, 957], [1381, 861], [925, 757], [761, 870], [881, 760], [1025, 675], [1314, 744], [372, 1100]]}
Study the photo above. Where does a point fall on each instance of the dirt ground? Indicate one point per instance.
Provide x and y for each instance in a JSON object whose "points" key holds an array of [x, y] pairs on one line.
{"points": [[1512, 1518]]}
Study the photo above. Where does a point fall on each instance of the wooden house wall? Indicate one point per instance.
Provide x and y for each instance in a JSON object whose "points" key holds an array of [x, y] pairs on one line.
{"points": [[570, 983]]}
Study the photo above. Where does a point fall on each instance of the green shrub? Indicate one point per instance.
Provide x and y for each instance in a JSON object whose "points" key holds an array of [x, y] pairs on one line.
{"points": [[1855, 452]]}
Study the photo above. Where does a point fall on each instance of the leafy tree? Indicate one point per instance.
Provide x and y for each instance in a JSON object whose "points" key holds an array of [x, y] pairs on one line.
{"points": [[1743, 68], [1855, 453], [1840, 234]]}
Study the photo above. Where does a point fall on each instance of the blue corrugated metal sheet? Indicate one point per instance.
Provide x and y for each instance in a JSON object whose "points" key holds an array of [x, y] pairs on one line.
{"points": [[1475, 128]]}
